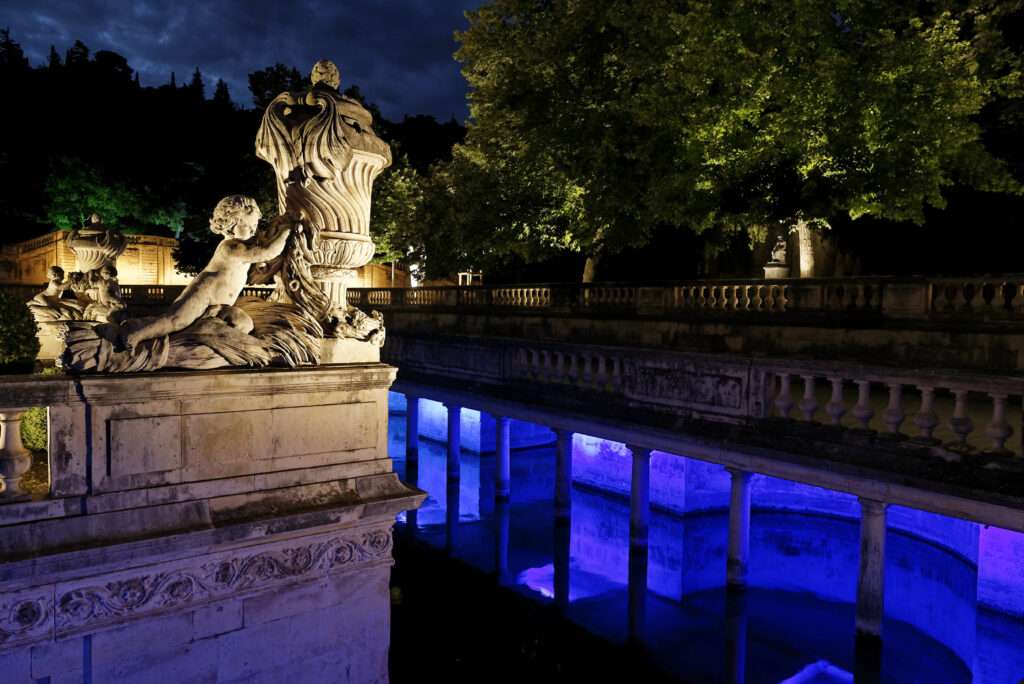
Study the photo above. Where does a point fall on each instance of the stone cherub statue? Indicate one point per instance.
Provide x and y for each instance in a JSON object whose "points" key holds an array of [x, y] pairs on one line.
{"points": [[325, 157], [208, 326], [212, 294], [50, 305], [106, 303]]}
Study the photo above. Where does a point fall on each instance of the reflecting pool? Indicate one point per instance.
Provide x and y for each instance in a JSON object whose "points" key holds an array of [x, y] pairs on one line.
{"points": [[954, 590]]}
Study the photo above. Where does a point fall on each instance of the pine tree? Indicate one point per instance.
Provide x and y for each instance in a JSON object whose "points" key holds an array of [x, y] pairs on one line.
{"points": [[174, 83], [11, 55], [77, 55], [54, 61], [221, 96], [196, 87]]}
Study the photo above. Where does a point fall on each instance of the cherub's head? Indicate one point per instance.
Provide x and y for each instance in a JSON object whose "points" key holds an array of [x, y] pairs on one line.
{"points": [[55, 273], [108, 272], [235, 216]]}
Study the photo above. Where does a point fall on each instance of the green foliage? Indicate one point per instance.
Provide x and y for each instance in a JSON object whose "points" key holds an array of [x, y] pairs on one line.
{"points": [[18, 342], [34, 429], [266, 84], [75, 190], [619, 116]]}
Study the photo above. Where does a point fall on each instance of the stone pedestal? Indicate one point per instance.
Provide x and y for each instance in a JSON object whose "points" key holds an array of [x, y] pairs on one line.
{"points": [[208, 526], [776, 271]]}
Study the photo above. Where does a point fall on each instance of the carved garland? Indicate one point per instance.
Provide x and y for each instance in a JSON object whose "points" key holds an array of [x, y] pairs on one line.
{"points": [[93, 606]]}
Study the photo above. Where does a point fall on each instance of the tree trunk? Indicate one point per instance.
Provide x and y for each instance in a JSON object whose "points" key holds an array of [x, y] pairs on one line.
{"points": [[590, 267]]}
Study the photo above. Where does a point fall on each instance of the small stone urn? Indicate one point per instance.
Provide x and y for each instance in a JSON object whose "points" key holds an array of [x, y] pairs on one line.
{"points": [[96, 245]]}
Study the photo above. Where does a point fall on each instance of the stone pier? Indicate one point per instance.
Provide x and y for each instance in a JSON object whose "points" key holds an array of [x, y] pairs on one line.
{"points": [[871, 577], [739, 529], [220, 525], [639, 523]]}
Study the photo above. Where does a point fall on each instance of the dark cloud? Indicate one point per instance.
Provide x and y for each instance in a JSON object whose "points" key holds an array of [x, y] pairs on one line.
{"points": [[398, 51]]}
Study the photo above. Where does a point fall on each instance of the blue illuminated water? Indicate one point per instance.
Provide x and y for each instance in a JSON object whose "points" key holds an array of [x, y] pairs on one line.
{"points": [[954, 599]]}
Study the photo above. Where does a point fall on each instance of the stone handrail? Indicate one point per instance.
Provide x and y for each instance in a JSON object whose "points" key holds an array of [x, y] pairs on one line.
{"points": [[136, 295], [988, 299], [930, 407]]}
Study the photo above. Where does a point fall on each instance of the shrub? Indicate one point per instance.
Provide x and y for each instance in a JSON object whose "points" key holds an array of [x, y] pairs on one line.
{"points": [[33, 429], [18, 342]]}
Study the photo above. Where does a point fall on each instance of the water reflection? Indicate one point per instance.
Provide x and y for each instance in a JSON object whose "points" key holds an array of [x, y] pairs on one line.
{"points": [[795, 621]]}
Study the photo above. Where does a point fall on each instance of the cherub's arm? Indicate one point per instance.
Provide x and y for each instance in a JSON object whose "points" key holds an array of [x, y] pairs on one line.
{"points": [[254, 253]]}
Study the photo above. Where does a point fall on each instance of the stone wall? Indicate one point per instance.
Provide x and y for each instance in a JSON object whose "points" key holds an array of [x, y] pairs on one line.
{"points": [[223, 526]]}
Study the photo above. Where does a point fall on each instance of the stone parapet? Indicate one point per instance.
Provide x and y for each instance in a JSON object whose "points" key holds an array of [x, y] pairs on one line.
{"points": [[206, 496], [975, 323]]}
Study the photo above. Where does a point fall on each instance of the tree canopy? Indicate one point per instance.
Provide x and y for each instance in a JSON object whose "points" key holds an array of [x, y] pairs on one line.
{"points": [[605, 121]]}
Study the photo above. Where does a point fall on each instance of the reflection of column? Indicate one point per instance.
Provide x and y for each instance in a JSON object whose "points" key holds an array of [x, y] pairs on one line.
{"points": [[501, 526], [639, 521], [735, 636], [503, 466], [412, 453], [562, 537], [563, 474], [739, 529], [454, 439], [454, 475], [451, 517], [870, 581]]}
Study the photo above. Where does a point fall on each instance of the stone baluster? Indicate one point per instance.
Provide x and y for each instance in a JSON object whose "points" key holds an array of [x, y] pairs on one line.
{"points": [[758, 302], [863, 411], [809, 403], [743, 301], [999, 429], [893, 415], [926, 419], [961, 424], [784, 400], [15, 459], [835, 408]]}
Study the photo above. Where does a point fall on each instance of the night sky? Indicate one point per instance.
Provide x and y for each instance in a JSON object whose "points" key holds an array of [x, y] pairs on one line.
{"points": [[399, 52]]}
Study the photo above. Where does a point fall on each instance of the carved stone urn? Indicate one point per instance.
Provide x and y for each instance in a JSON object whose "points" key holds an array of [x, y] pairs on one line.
{"points": [[325, 157], [96, 245]]}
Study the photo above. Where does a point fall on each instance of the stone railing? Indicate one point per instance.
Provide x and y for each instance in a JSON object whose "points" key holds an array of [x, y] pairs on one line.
{"points": [[996, 299], [957, 411], [135, 295]]}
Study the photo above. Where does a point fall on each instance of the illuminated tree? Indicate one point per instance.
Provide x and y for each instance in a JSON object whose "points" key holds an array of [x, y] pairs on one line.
{"points": [[732, 114]]}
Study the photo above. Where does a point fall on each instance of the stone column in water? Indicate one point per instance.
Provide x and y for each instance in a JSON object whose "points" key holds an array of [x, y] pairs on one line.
{"points": [[739, 529], [503, 466], [870, 580], [639, 521]]}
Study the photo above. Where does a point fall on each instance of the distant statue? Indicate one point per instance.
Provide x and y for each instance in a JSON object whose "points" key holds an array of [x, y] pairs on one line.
{"points": [[778, 255], [50, 305], [95, 245], [106, 303]]}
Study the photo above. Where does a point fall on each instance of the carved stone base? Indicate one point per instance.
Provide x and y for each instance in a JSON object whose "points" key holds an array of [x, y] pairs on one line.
{"points": [[233, 526], [50, 344], [348, 351]]}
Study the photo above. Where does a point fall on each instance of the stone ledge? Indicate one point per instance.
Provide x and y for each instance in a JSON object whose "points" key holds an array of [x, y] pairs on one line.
{"points": [[29, 547]]}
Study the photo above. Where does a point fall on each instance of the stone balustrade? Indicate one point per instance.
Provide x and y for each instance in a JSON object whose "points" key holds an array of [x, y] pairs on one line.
{"points": [[955, 411], [983, 299]]}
